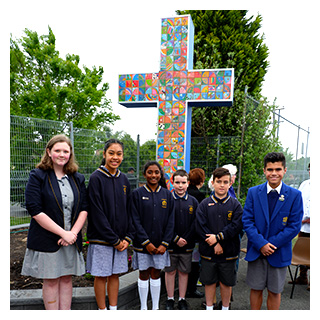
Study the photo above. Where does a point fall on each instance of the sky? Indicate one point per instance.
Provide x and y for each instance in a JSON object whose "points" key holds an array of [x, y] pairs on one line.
{"points": [[125, 38]]}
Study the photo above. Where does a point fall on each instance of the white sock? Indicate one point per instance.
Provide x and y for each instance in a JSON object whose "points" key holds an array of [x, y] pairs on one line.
{"points": [[143, 288], [155, 287], [225, 308], [209, 307], [182, 298], [103, 309], [170, 298], [112, 307]]}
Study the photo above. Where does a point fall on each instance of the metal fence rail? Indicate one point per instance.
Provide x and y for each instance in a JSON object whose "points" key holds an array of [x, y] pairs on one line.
{"points": [[29, 136]]}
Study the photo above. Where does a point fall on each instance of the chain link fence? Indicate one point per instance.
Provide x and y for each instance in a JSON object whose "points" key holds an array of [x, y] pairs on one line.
{"points": [[28, 139], [29, 136]]}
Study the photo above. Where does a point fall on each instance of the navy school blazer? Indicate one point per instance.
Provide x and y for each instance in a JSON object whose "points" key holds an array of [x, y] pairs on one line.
{"points": [[43, 195], [284, 225]]}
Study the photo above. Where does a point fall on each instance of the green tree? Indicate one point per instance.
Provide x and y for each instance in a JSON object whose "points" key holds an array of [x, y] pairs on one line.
{"points": [[230, 39], [43, 85]]}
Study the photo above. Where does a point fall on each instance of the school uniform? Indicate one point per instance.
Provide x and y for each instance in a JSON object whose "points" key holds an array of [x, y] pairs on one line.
{"points": [[221, 217], [195, 267], [109, 222], [278, 226], [61, 200], [153, 220], [184, 227]]}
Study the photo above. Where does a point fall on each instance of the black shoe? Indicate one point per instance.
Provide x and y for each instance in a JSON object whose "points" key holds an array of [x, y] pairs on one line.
{"points": [[170, 304], [182, 305], [195, 294]]}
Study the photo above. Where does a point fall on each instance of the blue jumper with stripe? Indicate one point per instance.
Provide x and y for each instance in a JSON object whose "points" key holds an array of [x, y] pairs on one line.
{"points": [[222, 217], [153, 217], [109, 219], [184, 226]]}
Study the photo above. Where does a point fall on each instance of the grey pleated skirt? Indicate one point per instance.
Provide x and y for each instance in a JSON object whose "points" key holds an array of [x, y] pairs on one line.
{"points": [[52, 265], [104, 261], [144, 261]]}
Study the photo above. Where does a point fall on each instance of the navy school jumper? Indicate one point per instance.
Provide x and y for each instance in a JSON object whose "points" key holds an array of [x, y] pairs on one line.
{"points": [[153, 217], [109, 220], [221, 217], [184, 226]]}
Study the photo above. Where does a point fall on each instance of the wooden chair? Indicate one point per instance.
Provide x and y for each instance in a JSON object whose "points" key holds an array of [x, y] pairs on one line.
{"points": [[300, 257]]}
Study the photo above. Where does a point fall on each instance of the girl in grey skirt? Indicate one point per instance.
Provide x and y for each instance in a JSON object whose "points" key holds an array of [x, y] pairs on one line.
{"points": [[56, 200], [109, 225]]}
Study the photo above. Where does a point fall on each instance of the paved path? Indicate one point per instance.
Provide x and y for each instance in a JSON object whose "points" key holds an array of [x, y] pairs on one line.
{"points": [[241, 293]]}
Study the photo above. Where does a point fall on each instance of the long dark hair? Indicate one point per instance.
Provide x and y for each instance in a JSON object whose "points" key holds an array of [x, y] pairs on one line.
{"points": [[107, 146], [162, 181]]}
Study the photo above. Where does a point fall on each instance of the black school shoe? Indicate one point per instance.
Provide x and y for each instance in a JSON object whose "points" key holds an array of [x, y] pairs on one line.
{"points": [[195, 294], [170, 304], [182, 305]]}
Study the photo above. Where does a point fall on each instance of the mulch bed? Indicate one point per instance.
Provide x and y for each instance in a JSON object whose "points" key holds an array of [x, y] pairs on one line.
{"points": [[18, 245]]}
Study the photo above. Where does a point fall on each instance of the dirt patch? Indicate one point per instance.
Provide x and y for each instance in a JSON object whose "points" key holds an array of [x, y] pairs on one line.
{"points": [[18, 245]]}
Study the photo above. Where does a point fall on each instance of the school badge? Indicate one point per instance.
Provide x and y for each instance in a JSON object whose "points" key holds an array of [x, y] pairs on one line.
{"points": [[229, 215], [164, 203], [125, 190], [284, 221], [190, 209]]}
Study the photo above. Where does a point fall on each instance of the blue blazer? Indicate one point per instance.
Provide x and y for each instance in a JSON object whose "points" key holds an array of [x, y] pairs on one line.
{"points": [[284, 225], [43, 195]]}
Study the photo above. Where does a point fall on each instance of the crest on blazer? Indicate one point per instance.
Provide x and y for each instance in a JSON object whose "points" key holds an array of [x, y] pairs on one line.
{"points": [[191, 209], [125, 190], [284, 221], [164, 203]]}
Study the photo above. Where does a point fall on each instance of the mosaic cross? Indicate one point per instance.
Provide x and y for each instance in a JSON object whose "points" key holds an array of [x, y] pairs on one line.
{"points": [[174, 90]]}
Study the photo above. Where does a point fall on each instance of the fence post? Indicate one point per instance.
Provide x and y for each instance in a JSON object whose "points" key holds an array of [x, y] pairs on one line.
{"points": [[242, 140], [297, 149], [71, 135], [138, 160], [305, 159], [218, 150]]}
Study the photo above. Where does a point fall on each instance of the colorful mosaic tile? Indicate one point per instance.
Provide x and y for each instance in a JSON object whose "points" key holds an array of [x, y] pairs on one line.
{"points": [[175, 89]]}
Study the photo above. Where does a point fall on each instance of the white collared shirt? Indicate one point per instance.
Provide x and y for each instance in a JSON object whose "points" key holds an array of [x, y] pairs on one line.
{"points": [[278, 188]]}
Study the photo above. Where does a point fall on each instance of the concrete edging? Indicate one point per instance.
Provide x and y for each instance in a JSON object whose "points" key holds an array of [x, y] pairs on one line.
{"points": [[82, 298]]}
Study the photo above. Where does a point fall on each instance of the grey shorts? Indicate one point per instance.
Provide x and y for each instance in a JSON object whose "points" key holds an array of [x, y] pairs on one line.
{"points": [[212, 272], [260, 275], [180, 261]]}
